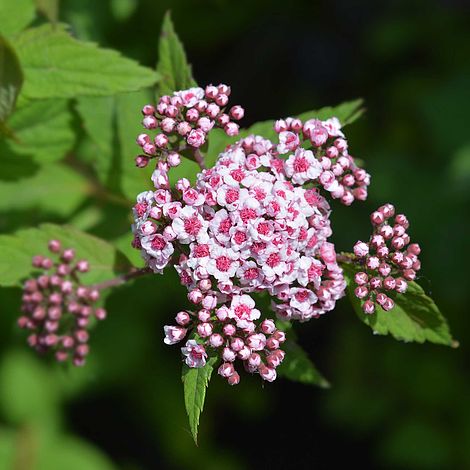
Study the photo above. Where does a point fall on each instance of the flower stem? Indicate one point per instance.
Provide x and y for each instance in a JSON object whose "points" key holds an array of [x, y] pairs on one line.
{"points": [[123, 278]]}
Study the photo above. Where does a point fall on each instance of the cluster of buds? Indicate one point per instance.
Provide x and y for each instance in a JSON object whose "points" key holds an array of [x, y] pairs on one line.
{"points": [[188, 115], [320, 154], [231, 332], [388, 259], [57, 308]]}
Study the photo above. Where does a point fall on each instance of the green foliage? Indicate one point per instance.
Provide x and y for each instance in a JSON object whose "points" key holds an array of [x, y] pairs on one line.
{"points": [[56, 65], [55, 189], [17, 251], [11, 78], [42, 129], [195, 382], [176, 73], [15, 15], [415, 316]]}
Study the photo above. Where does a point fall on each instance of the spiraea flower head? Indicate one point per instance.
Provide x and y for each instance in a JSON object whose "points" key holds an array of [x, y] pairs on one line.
{"points": [[57, 308]]}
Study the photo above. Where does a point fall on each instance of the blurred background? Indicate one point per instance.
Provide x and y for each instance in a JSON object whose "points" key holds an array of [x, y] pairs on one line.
{"points": [[391, 405]]}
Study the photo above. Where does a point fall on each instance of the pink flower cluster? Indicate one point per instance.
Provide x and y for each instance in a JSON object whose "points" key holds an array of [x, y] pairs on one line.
{"points": [[389, 260], [188, 115], [327, 163], [230, 331], [248, 225], [57, 308]]}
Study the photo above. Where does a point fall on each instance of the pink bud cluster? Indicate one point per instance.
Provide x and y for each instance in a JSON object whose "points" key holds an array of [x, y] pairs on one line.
{"points": [[188, 115], [57, 307], [327, 161], [388, 259], [231, 332]]}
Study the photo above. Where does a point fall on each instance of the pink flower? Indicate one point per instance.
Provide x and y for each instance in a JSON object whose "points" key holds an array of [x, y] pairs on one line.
{"points": [[174, 334], [302, 166], [196, 138], [195, 354]]}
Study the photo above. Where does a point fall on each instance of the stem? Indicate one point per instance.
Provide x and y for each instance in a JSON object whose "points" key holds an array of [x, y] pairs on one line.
{"points": [[199, 157], [123, 278], [345, 257]]}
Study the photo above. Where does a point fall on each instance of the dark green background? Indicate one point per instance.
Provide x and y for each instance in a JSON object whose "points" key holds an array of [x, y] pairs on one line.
{"points": [[391, 405]]}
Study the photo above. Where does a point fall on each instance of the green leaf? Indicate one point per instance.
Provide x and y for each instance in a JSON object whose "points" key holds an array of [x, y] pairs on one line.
{"points": [[11, 78], [28, 392], [298, 367], [42, 129], [55, 189], [17, 250], [15, 15], [98, 117], [347, 113], [172, 65], [415, 316], [56, 65], [195, 381]]}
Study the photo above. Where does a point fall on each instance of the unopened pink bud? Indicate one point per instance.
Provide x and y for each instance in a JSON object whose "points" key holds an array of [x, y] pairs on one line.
{"points": [[231, 129], [161, 140], [182, 318], [195, 296], [173, 159], [361, 249], [150, 122], [100, 313], [54, 246], [204, 330], [216, 340], [228, 355], [236, 344], [268, 326], [368, 307], [226, 369], [229, 330], [237, 112], [148, 110], [141, 161], [361, 292], [234, 379], [361, 278], [377, 218]]}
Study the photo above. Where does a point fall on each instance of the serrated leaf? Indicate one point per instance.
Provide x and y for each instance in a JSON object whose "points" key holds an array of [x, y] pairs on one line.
{"points": [[176, 73], [415, 316], [15, 15], [347, 113], [17, 250], [55, 189], [297, 366], [11, 78], [56, 65], [195, 382], [42, 129]]}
